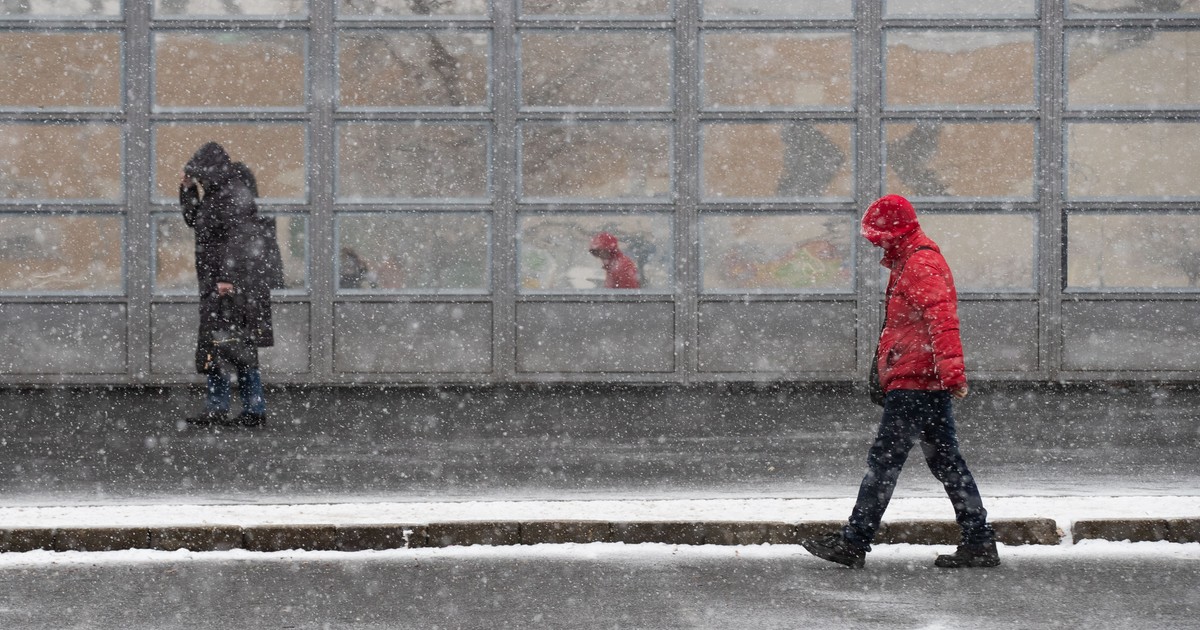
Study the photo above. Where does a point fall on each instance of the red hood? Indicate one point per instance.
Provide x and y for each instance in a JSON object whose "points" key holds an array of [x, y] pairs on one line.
{"points": [[605, 241], [887, 221]]}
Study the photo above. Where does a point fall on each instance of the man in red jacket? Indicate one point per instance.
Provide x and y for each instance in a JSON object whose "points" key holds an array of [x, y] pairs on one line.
{"points": [[620, 272], [920, 364]]}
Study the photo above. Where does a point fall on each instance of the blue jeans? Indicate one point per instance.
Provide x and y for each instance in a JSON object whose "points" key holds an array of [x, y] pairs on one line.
{"points": [[909, 415], [249, 388]]}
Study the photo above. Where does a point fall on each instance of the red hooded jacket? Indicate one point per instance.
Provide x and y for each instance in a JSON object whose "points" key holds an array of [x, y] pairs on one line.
{"points": [[919, 347], [620, 272]]}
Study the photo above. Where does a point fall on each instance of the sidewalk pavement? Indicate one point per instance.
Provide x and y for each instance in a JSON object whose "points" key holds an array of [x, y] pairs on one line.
{"points": [[364, 526]]}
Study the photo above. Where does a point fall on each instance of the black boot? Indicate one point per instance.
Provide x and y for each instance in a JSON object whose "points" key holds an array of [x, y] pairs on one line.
{"points": [[835, 548], [972, 556], [207, 418]]}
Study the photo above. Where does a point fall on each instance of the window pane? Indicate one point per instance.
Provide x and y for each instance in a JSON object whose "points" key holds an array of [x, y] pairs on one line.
{"points": [[412, 8], [1107, 8], [274, 152], [413, 252], [606, 8], [435, 161], [413, 69], [255, 70], [938, 68], [778, 8], [596, 69], [1133, 251], [554, 251], [986, 252], [757, 70], [175, 259], [68, 162], [61, 254], [760, 253], [959, 8], [1133, 160], [232, 8], [596, 161], [965, 160], [1133, 68], [60, 8], [60, 71], [793, 160]]}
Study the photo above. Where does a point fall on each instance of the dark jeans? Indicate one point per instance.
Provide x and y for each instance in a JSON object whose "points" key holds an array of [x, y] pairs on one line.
{"points": [[249, 388], [909, 415]]}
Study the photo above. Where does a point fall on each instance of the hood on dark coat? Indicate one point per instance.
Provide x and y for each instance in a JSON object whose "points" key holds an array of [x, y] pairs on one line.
{"points": [[210, 164]]}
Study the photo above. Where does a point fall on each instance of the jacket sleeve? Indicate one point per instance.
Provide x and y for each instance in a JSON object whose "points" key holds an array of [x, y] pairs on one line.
{"points": [[189, 201], [237, 213], [931, 292]]}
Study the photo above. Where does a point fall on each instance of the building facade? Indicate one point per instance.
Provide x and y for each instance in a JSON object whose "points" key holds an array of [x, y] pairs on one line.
{"points": [[437, 169]]}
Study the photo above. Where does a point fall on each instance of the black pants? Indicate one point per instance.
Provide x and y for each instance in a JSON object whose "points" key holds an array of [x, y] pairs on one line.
{"points": [[909, 415]]}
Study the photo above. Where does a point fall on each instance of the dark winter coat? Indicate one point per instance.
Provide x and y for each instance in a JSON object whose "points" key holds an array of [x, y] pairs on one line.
{"points": [[234, 245], [919, 347]]}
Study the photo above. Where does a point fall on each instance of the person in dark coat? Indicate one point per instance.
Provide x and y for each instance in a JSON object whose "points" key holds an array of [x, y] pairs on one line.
{"points": [[237, 265], [920, 365]]}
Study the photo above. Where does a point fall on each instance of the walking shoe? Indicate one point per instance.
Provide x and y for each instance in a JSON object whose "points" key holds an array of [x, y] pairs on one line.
{"points": [[207, 418], [973, 556], [835, 548]]}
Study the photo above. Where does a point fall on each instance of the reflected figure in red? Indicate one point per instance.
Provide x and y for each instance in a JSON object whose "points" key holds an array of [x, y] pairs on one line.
{"points": [[620, 272]]}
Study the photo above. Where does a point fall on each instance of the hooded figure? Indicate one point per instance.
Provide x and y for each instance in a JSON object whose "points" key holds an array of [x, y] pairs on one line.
{"points": [[920, 365], [620, 272]]}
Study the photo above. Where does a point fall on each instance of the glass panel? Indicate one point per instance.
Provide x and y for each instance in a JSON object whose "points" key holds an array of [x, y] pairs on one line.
{"points": [[435, 161], [68, 162], [1154, 8], [1133, 251], [412, 8], [758, 70], [1133, 68], [971, 160], [1133, 160], [413, 252], [752, 9], [554, 252], [413, 69], [591, 69], [959, 8], [606, 8], [175, 259], [61, 254], [791, 160], [275, 152], [231, 8], [774, 253], [596, 161], [945, 68], [60, 8], [986, 252], [60, 70], [255, 70]]}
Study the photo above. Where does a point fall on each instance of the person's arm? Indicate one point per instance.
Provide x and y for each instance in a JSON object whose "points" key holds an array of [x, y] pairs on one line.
{"points": [[189, 200], [929, 291]]}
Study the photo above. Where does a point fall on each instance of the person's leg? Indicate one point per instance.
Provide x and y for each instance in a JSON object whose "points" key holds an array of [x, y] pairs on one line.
{"points": [[898, 432], [251, 390], [218, 394], [939, 443]]}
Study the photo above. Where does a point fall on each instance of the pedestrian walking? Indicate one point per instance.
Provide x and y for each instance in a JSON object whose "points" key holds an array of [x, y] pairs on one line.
{"points": [[620, 272], [919, 362]]}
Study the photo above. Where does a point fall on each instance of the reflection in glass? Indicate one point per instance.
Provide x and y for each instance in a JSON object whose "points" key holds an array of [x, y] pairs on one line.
{"points": [[435, 161], [413, 252], [47, 254], [275, 152], [945, 68], [1133, 251], [60, 70], [60, 162], [596, 161], [592, 69], [411, 8], [554, 257], [1133, 68], [413, 69], [175, 259], [608, 8], [254, 70], [756, 70], [1158, 160], [747, 9], [60, 8], [967, 160], [959, 8], [1106, 8], [776, 253], [231, 8], [986, 252], [793, 160]]}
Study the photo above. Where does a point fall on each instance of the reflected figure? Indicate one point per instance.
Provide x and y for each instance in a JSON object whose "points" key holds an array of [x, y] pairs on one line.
{"points": [[353, 272], [620, 272]]}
